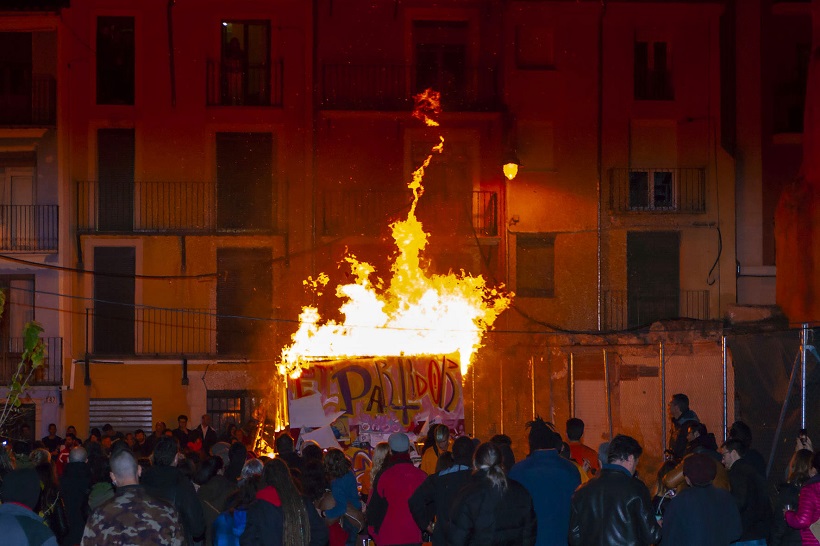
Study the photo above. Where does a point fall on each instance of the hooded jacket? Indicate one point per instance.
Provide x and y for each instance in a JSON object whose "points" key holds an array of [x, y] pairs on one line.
{"points": [[19, 525], [434, 499], [169, 484], [266, 522]]}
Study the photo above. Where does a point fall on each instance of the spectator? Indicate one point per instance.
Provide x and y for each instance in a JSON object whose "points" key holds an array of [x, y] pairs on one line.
{"points": [[491, 509], [140, 447], [311, 451], [19, 524], [699, 442], [750, 493], [52, 441], [108, 431], [231, 523], [24, 444], [132, 516], [153, 438], [344, 489], [808, 506], [584, 455], [505, 443], [229, 434], [550, 480], [181, 433], [388, 512], [75, 486], [164, 481], [285, 451], [614, 508], [62, 458], [741, 432], [788, 493], [206, 433], [701, 514], [237, 455], [680, 414], [430, 454], [101, 489], [71, 429], [213, 493], [380, 454], [280, 515], [432, 502]]}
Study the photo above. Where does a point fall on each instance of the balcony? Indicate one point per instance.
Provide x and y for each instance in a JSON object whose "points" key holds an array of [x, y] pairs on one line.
{"points": [[658, 191], [176, 208], [622, 310], [256, 85], [367, 212], [29, 228], [392, 86], [51, 373], [120, 331], [27, 99]]}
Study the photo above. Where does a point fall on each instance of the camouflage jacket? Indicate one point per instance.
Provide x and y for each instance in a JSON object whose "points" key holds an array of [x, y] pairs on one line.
{"points": [[134, 517]]}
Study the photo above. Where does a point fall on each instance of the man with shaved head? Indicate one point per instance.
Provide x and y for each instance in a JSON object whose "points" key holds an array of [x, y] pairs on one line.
{"points": [[132, 516]]}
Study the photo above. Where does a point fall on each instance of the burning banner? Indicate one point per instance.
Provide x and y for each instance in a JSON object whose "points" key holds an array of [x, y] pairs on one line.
{"points": [[396, 324]]}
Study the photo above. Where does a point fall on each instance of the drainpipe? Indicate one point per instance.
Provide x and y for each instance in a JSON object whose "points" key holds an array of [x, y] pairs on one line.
{"points": [[170, 18], [600, 153]]}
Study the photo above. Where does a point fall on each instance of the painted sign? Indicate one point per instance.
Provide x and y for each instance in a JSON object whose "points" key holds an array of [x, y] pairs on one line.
{"points": [[378, 396]]}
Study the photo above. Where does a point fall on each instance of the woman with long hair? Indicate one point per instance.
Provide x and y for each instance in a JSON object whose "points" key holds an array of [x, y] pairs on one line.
{"points": [[787, 498], [345, 492], [229, 526], [380, 454], [491, 508], [807, 511], [280, 515]]}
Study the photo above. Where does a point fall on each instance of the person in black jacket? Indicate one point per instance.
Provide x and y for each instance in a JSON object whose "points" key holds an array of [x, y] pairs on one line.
{"points": [[164, 481], [75, 486], [749, 490], [491, 508], [432, 501], [614, 508]]}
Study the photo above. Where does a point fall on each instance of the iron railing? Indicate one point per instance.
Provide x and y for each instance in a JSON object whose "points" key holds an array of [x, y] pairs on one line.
{"points": [[29, 228], [50, 373], [622, 310], [254, 85], [658, 190], [161, 207], [392, 86], [27, 99], [366, 212]]}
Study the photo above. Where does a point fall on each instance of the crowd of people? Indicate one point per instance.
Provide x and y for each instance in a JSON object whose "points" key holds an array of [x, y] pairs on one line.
{"points": [[193, 487]]}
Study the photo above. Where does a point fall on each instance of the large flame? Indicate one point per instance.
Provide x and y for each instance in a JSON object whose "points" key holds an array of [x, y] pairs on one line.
{"points": [[417, 314]]}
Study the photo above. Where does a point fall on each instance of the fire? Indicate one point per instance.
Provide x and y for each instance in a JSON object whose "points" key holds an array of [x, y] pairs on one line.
{"points": [[416, 314]]}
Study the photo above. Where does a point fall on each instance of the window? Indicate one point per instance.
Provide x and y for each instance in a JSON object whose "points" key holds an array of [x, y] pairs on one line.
{"points": [[535, 265], [114, 291], [245, 184], [441, 58], [115, 172], [534, 47], [652, 189], [653, 276], [19, 309], [15, 77], [244, 299], [246, 63], [653, 75], [232, 407], [115, 60]]}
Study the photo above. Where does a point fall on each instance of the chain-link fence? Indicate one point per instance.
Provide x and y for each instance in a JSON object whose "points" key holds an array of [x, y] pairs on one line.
{"points": [[624, 384]]}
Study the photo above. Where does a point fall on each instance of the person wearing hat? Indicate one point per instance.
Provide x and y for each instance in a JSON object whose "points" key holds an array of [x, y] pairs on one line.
{"points": [[702, 513], [388, 513], [19, 524], [550, 479]]}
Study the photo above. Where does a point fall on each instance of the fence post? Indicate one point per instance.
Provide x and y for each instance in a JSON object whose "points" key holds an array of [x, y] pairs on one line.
{"points": [[725, 390], [532, 385], [662, 367], [804, 341], [608, 393], [571, 384], [87, 378]]}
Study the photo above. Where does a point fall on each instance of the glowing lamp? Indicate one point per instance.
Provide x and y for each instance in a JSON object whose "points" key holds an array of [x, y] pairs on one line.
{"points": [[510, 165]]}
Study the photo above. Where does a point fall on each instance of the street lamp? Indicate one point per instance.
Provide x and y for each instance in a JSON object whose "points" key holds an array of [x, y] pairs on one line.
{"points": [[510, 164]]}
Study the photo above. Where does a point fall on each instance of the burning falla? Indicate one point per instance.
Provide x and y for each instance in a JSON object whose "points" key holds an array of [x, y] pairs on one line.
{"points": [[416, 313]]}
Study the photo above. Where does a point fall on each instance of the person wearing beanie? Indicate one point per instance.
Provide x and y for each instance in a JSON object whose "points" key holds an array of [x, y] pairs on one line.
{"points": [[19, 524], [701, 513], [388, 513], [550, 479], [432, 501]]}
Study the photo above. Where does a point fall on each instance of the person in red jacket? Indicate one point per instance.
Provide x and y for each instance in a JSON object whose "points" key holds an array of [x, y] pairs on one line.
{"points": [[808, 506], [388, 513]]}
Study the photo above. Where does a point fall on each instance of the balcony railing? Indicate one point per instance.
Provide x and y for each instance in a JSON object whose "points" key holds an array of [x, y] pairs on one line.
{"points": [[255, 85], [27, 99], [392, 86], [50, 373], [164, 207], [29, 228], [658, 190], [142, 332], [622, 310], [366, 212]]}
